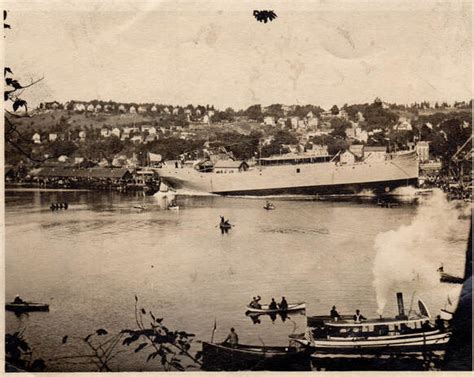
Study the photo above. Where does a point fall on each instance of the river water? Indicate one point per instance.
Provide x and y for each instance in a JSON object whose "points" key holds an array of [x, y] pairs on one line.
{"points": [[90, 261]]}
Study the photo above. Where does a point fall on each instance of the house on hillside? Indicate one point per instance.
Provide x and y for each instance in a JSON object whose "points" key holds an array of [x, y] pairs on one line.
{"points": [[116, 132], [36, 138], [137, 139], [167, 110], [132, 110], [294, 122], [79, 107], [98, 108], [90, 107], [154, 109], [230, 166], [142, 109], [269, 121], [122, 109], [52, 136], [82, 135], [175, 111], [149, 138], [105, 132], [125, 135], [403, 125]]}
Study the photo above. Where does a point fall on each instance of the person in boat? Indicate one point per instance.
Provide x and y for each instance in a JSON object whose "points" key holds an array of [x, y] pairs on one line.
{"points": [[253, 303], [18, 300], [334, 314], [358, 317], [273, 305], [426, 326], [283, 304], [232, 338], [439, 323], [66, 205]]}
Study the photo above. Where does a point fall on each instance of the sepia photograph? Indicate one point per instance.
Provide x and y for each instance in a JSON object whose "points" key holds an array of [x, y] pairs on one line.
{"points": [[213, 186]]}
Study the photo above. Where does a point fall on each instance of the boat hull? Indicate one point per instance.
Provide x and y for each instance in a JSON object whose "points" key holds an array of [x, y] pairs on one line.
{"points": [[21, 308], [245, 357], [300, 179]]}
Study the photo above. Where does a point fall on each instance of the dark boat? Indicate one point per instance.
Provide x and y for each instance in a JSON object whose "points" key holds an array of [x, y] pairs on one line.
{"points": [[447, 278], [26, 307], [219, 356]]}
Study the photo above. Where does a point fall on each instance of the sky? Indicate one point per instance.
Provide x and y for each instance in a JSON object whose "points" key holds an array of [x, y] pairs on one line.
{"points": [[316, 52]]}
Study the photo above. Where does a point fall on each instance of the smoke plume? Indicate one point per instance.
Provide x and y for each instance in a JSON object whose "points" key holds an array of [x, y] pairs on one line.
{"points": [[413, 252]]}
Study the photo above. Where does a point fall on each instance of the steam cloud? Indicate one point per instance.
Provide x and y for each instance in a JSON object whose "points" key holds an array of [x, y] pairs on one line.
{"points": [[413, 252]]}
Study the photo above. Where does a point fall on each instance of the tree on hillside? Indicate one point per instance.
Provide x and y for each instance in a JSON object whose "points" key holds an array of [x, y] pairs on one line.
{"points": [[339, 127], [254, 112], [334, 110]]}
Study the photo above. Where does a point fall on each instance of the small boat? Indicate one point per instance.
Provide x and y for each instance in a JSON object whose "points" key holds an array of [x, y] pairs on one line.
{"points": [[26, 307], [265, 309], [226, 357], [140, 206], [173, 207], [269, 206], [447, 278]]}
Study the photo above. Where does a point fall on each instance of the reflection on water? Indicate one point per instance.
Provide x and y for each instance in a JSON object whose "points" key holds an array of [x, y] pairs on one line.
{"points": [[88, 263]]}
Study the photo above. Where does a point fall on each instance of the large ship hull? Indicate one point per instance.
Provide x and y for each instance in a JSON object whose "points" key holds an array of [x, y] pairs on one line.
{"points": [[312, 178]]}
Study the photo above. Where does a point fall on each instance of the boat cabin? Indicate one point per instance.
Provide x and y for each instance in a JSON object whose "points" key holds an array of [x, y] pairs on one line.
{"points": [[371, 327]]}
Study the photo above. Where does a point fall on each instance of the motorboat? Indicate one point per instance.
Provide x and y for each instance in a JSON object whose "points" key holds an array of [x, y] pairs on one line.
{"points": [[401, 334], [265, 309], [227, 357]]}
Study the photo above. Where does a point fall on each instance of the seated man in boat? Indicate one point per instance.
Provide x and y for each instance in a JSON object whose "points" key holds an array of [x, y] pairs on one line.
{"points": [[334, 314], [439, 323], [426, 326], [358, 317], [232, 338], [253, 303], [18, 300], [273, 305], [283, 304]]}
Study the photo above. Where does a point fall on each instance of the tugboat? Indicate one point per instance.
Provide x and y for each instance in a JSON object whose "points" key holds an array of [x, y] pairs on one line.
{"points": [[342, 337]]}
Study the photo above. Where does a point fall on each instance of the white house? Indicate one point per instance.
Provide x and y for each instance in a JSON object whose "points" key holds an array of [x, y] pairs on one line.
{"points": [[90, 107], [132, 110], [105, 132], [98, 108], [313, 122], [79, 107], [125, 136], [361, 135], [175, 111], [152, 130], [403, 125], [137, 139], [116, 132], [154, 109], [142, 109], [166, 110], [63, 158], [122, 108], [347, 157], [36, 138], [82, 135], [210, 113], [269, 121], [294, 121], [52, 137], [205, 119]]}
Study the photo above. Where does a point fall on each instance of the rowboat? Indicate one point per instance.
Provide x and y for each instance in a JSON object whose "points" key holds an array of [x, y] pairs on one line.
{"points": [[226, 357], [27, 307], [139, 206], [173, 207], [269, 206], [265, 309]]}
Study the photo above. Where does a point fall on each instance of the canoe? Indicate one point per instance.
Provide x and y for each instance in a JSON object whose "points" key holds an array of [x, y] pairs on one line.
{"points": [[225, 226], [224, 357], [265, 308], [27, 307]]}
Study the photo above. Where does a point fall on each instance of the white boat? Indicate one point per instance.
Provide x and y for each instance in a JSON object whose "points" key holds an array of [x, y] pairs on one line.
{"points": [[296, 174], [266, 308], [173, 207], [401, 334]]}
